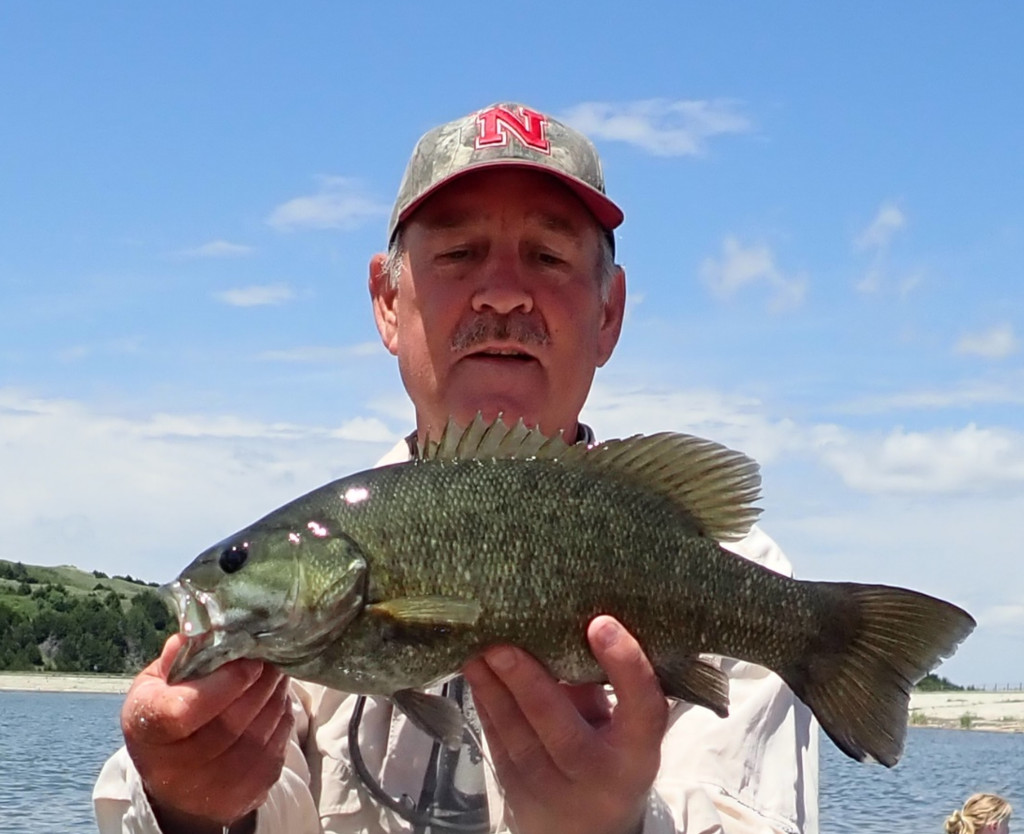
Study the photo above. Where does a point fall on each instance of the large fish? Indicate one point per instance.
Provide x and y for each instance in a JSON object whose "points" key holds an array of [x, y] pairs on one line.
{"points": [[391, 579]]}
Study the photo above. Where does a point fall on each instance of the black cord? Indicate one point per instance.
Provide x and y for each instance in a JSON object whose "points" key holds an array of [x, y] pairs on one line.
{"points": [[404, 807]]}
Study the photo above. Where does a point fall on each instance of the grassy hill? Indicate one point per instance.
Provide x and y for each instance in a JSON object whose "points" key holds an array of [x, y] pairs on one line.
{"points": [[14, 575], [71, 620]]}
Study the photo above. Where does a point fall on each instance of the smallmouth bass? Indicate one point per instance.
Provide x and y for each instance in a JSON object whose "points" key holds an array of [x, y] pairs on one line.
{"points": [[388, 580]]}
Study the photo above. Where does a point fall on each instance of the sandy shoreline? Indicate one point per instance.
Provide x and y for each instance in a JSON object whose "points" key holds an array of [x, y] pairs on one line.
{"points": [[57, 682], [1002, 711]]}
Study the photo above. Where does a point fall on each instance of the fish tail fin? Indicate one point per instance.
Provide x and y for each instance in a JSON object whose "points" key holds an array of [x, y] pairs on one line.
{"points": [[878, 642]]}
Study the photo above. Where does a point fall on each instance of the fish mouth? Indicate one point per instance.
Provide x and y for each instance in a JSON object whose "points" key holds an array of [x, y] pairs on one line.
{"points": [[201, 620], [198, 611]]}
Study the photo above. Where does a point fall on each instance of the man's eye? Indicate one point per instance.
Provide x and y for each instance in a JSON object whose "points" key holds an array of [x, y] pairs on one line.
{"points": [[455, 255], [549, 259]]}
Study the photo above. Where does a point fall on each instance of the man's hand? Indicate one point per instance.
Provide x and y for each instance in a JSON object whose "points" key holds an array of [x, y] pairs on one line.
{"points": [[208, 750], [567, 760]]}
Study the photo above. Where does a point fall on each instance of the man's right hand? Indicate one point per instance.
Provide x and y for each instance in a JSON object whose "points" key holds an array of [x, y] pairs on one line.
{"points": [[208, 750]]}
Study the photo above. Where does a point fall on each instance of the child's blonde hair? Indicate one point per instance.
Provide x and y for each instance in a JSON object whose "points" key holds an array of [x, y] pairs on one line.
{"points": [[979, 810]]}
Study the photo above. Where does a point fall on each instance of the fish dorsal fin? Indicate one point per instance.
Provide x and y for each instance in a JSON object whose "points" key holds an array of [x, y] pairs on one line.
{"points": [[482, 441], [714, 485]]}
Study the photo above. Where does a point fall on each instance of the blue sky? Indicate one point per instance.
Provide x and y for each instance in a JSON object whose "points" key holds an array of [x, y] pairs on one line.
{"points": [[823, 241]]}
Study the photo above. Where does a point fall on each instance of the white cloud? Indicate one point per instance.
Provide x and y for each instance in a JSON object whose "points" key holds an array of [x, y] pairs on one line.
{"points": [[880, 231], [314, 354], [198, 426], [943, 461], [908, 283], [364, 430], [964, 395], [621, 409], [339, 204], [217, 249], [256, 296], [660, 126], [997, 342], [1002, 615], [633, 301], [871, 282], [740, 267], [75, 353], [126, 346], [875, 241], [395, 405], [969, 460], [105, 491]]}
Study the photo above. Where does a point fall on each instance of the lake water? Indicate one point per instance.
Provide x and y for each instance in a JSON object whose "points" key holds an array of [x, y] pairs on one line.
{"points": [[938, 771], [52, 746]]}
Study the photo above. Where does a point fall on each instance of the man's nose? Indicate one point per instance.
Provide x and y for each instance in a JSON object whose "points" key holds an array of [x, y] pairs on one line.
{"points": [[503, 288]]}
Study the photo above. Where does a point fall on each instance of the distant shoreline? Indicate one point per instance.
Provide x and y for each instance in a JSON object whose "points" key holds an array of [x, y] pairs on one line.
{"points": [[995, 711], [967, 710], [63, 682]]}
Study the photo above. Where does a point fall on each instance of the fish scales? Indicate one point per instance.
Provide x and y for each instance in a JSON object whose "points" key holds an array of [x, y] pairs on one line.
{"points": [[544, 549], [391, 579]]}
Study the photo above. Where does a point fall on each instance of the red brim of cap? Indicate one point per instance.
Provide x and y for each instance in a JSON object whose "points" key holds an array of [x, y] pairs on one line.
{"points": [[608, 215]]}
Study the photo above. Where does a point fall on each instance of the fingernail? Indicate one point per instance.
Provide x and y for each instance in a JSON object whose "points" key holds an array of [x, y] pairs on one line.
{"points": [[501, 659], [607, 634]]}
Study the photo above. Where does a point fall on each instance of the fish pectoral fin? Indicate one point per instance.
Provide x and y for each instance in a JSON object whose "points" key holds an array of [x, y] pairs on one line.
{"points": [[437, 716], [697, 682], [430, 612]]}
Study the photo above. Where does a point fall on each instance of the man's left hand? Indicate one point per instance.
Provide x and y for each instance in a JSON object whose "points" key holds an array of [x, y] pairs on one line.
{"points": [[567, 760]]}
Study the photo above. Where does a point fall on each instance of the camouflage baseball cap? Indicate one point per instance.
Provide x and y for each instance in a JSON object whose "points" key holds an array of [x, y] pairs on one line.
{"points": [[504, 134]]}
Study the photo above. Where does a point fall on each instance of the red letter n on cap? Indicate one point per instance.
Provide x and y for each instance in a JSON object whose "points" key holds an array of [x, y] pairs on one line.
{"points": [[494, 126]]}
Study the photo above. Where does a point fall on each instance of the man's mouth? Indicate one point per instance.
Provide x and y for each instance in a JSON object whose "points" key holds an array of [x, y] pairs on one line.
{"points": [[508, 353]]}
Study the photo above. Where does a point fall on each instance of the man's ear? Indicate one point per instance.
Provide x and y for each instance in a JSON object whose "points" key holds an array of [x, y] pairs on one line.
{"points": [[384, 297], [614, 310]]}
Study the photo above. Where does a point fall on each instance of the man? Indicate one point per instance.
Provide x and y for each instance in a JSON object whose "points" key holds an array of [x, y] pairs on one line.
{"points": [[499, 294]]}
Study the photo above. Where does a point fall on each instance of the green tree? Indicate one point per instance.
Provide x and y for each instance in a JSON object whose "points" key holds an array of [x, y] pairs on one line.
{"points": [[148, 624], [92, 633], [936, 683]]}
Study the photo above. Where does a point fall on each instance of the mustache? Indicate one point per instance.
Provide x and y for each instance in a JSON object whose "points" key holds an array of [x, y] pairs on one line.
{"points": [[523, 328]]}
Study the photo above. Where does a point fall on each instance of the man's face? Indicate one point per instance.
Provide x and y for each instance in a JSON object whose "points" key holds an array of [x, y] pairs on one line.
{"points": [[498, 309]]}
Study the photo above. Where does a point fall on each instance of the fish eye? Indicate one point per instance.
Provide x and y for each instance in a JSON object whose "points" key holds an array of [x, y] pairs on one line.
{"points": [[232, 558]]}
